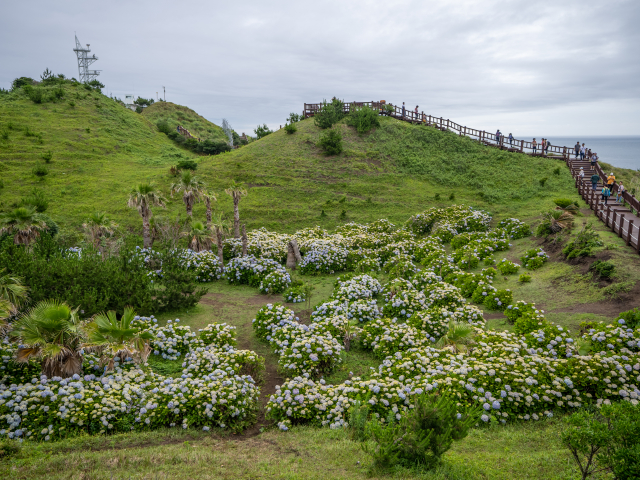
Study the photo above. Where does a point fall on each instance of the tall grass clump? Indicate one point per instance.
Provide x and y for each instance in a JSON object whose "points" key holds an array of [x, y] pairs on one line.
{"points": [[363, 119], [331, 142]]}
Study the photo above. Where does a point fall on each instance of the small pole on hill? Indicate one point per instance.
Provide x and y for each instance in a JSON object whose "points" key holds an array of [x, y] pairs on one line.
{"points": [[165, 93]]}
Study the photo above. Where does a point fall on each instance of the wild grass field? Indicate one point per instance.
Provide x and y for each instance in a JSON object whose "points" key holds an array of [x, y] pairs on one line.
{"points": [[100, 150]]}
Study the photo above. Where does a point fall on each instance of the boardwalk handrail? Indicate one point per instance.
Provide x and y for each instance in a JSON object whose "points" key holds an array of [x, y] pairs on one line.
{"points": [[487, 138]]}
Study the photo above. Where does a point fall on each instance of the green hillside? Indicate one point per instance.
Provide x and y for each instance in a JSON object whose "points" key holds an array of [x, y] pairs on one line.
{"points": [[176, 115], [101, 149]]}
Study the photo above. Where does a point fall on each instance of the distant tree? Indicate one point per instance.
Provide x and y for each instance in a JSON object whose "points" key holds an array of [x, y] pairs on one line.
{"points": [[48, 78], [95, 85], [199, 237], [191, 189], [144, 102], [98, 225], [221, 227], [262, 131], [142, 198], [294, 118], [236, 191], [208, 198], [21, 82], [24, 223]]}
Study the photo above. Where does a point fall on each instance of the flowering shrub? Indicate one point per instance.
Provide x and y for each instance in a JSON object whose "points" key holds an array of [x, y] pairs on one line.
{"points": [[515, 228], [275, 282], [524, 278], [498, 300], [172, 340], [534, 258], [218, 334], [12, 371], [467, 282], [323, 258], [435, 322], [362, 286], [608, 339], [294, 294], [520, 308], [253, 271], [311, 353], [268, 316], [368, 264], [203, 360], [205, 264], [404, 303], [361, 310], [385, 337], [483, 291], [507, 267]]}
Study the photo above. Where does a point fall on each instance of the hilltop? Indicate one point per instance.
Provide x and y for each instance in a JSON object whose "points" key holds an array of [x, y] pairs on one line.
{"points": [[101, 149], [176, 115]]}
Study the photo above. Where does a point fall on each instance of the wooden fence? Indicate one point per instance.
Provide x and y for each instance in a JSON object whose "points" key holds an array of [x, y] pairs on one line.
{"points": [[620, 219]]}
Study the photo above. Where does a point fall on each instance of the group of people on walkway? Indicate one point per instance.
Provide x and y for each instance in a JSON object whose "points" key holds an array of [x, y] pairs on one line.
{"points": [[543, 145], [607, 188]]}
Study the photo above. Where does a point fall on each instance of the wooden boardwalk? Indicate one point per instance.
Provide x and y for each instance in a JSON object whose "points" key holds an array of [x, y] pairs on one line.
{"points": [[623, 217]]}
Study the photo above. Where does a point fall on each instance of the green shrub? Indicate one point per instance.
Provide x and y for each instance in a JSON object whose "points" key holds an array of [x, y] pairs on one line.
{"points": [[262, 131], [452, 197], [605, 439], [47, 156], [164, 127], [436, 197], [9, 448], [40, 170], [631, 318], [507, 267], [534, 258], [603, 269], [21, 82], [556, 171], [37, 200], [524, 278], [329, 114], [488, 261], [542, 181], [363, 118], [564, 202], [498, 300], [290, 128], [72, 104], [187, 165], [331, 142], [4, 135], [422, 435], [35, 94], [583, 244]]}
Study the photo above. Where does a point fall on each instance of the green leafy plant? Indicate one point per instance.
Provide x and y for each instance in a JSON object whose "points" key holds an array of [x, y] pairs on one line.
{"points": [[187, 165], [422, 435], [40, 170], [605, 440], [524, 278], [363, 119], [452, 197], [631, 317], [603, 269], [583, 244], [436, 197], [47, 156], [4, 135], [262, 131], [35, 94], [542, 181], [556, 171], [290, 128], [331, 142], [36, 200], [554, 221], [329, 114]]}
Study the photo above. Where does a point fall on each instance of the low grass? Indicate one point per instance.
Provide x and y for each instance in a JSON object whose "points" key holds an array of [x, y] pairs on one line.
{"points": [[518, 451]]}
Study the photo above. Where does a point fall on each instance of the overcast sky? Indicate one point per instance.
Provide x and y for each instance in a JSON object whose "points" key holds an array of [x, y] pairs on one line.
{"points": [[528, 67]]}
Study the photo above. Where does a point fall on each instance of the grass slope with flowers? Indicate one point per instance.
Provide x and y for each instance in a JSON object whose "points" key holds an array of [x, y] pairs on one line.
{"points": [[390, 172]]}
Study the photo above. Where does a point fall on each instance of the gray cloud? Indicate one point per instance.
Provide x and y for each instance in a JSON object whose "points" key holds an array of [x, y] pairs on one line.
{"points": [[532, 67]]}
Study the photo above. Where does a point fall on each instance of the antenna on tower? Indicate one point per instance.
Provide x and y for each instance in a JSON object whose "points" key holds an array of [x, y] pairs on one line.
{"points": [[84, 60]]}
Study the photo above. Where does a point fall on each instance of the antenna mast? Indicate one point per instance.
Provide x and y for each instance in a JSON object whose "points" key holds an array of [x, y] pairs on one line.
{"points": [[228, 130], [84, 60]]}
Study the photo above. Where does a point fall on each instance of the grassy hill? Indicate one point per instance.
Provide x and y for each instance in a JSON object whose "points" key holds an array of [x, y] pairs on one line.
{"points": [[176, 115], [101, 149]]}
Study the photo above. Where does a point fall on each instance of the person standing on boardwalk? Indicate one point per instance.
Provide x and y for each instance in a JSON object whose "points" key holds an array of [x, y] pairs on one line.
{"points": [[510, 140], [595, 178], [403, 111], [606, 193], [582, 152], [581, 174], [577, 149], [547, 145], [498, 134], [611, 179], [416, 110], [594, 159], [619, 198], [542, 144], [535, 145]]}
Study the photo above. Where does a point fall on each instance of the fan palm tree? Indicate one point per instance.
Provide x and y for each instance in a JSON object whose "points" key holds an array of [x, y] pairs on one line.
{"points": [[51, 332], [200, 237], [142, 198], [98, 225], [221, 226], [191, 189], [13, 290], [558, 220], [117, 338], [24, 223], [208, 198], [236, 191], [458, 337]]}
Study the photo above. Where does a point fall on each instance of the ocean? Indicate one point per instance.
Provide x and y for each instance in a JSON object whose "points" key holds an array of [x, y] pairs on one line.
{"points": [[619, 151]]}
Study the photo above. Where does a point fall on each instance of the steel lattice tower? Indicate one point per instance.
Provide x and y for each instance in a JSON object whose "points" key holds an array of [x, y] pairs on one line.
{"points": [[84, 60]]}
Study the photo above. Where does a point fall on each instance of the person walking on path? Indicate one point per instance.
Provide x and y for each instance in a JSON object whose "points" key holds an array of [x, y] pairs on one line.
{"points": [[581, 174], [547, 145], [403, 111], [535, 145], [511, 140], [606, 193], [582, 152], [611, 179], [416, 110], [595, 178], [577, 149], [498, 134], [542, 145], [620, 191], [594, 159]]}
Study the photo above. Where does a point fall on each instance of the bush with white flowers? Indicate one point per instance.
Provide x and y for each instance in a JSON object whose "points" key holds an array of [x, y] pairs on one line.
{"points": [[218, 334], [507, 267], [388, 336], [534, 258], [515, 228], [294, 294]]}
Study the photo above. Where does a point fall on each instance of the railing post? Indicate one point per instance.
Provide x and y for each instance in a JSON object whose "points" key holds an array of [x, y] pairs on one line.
{"points": [[629, 230], [621, 225], [613, 219], [521, 146]]}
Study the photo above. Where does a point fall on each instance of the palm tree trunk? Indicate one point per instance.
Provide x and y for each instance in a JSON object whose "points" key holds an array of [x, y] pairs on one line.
{"points": [[207, 201], [244, 241], [146, 231], [236, 215], [219, 241], [189, 209]]}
